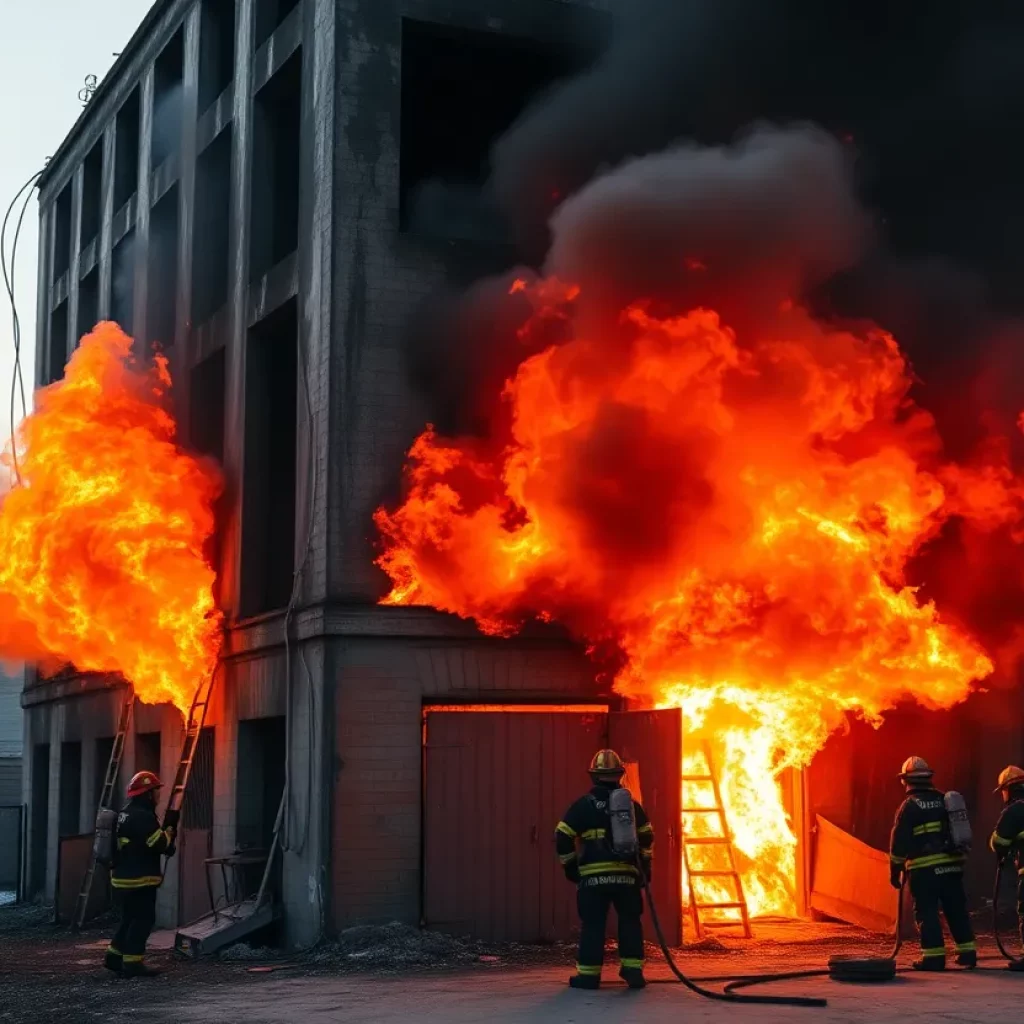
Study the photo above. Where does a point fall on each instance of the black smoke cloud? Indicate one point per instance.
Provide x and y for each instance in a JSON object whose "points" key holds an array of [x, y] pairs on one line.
{"points": [[926, 97]]}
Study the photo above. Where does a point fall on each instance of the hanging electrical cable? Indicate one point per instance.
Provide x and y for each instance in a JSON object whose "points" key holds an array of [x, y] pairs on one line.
{"points": [[8, 268]]}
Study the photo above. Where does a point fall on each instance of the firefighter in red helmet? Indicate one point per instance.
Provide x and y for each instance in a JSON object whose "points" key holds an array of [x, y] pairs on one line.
{"points": [[921, 847], [603, 878], [1007, 840], [139, 843]]}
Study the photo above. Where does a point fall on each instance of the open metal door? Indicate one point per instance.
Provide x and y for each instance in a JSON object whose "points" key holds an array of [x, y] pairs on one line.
{"points": [[650, 742]]}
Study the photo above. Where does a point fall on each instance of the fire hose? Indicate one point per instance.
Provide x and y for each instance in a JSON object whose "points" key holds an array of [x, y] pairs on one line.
{"points": [[1016, 963], [840, 968], [726, 995]]}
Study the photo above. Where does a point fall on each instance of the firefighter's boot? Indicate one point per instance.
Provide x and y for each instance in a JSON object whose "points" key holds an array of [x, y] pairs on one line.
{"points": [[930, 963], [968, 959], [633, 977], [112, 961], [1015, 965], [590, 981], [138, 970]]}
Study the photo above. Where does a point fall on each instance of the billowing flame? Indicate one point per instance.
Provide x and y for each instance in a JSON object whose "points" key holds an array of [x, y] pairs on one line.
{"points": [[733, 514], [101, 543]]}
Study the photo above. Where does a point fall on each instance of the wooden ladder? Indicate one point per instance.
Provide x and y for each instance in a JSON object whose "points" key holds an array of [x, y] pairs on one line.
{"points": [[124, 722], [722, 838]]}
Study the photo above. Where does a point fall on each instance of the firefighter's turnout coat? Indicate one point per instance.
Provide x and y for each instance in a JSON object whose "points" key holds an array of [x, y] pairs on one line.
{"points": [[140, 843], [587, 825]]}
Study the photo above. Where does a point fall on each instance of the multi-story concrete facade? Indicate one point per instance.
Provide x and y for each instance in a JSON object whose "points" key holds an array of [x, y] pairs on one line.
{"points": [[235, 191]]}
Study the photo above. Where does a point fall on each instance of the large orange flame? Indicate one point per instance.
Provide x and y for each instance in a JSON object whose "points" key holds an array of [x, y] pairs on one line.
{"points": [[734, 514], [101, 543]]}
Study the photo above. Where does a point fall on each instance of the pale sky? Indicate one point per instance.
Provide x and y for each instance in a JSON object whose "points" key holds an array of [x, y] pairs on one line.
{"points": [[47, 47]]}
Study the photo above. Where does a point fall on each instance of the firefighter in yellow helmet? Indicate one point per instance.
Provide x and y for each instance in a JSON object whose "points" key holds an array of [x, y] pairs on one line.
{"points": [[604, 878], [1007, 841], [136, 875], [921, 847]]}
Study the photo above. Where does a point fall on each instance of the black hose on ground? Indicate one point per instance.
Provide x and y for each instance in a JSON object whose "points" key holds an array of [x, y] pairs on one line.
{"points": [[726, 995], [1016, 962]]}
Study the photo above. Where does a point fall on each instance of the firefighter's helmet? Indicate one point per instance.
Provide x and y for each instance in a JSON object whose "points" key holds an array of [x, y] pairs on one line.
{"points": [[915, 769], [606, 763], [1009, 777], [143, 782]]}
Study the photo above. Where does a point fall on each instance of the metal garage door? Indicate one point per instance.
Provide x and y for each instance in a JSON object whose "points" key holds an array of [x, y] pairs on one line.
{"points": [[496, 783]]}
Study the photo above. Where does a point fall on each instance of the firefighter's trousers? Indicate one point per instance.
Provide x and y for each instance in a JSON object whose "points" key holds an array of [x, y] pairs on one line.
{"points": [[593, 898], [138, 915], [1020, 904], [941, 888]]}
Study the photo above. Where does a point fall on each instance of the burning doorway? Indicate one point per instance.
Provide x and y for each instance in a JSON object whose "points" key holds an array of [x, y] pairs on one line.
{"points": [[496, 780]]}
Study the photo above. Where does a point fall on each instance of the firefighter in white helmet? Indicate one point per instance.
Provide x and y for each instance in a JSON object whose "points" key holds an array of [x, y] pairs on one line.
{"points": [[1007, 841], [921, 848]]}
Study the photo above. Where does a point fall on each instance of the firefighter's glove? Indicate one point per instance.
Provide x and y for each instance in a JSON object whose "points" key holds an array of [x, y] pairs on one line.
{"points": [[572, 873], [896, 876], [171, 818]]}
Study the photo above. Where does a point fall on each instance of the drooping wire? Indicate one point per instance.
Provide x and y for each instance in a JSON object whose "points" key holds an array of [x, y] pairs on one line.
{"points": [[17, 377]]}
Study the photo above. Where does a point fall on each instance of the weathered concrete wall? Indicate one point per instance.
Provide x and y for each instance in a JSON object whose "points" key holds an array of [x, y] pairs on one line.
{"points": [[380, 273], [380, 687]]}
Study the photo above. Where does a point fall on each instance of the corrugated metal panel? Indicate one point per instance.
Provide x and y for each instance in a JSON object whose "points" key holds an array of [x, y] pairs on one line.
{"points": [[10, 714], [495, 786], [653, 741]]}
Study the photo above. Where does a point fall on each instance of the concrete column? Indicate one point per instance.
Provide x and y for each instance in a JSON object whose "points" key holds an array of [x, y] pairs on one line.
{"points": [[238, 299], [140, 249], [77, 183], [107, 220]]}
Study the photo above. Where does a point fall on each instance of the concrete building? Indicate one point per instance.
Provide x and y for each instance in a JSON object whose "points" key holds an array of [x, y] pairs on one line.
{"points": [[237, 190]]}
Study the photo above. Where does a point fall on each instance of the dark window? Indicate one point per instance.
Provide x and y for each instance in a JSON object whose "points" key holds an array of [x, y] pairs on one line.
{"points": [[58, 354], [104, 748], [122, 283], [126, 160], [216, 50], [274, 223], [268, 495], [269, 15], [70, 808], [88, 304], [167, 97], [206, 435], [147, 752], [163, 270], [461, 90], [40, 816], [261, 760], [62, 233], [210, 234], [197, 810], [92, 194]]}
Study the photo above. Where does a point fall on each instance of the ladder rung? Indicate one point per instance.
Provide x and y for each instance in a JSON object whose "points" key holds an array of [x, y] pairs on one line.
{"points": [[714, 874], [710, 841], [696, 778], [700, 810], [719, 906]]}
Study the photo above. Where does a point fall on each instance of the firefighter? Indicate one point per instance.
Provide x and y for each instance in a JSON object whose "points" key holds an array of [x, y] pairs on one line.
{"points": [[603, 878], [1008, 838], [136, 874], [921, 847]]}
